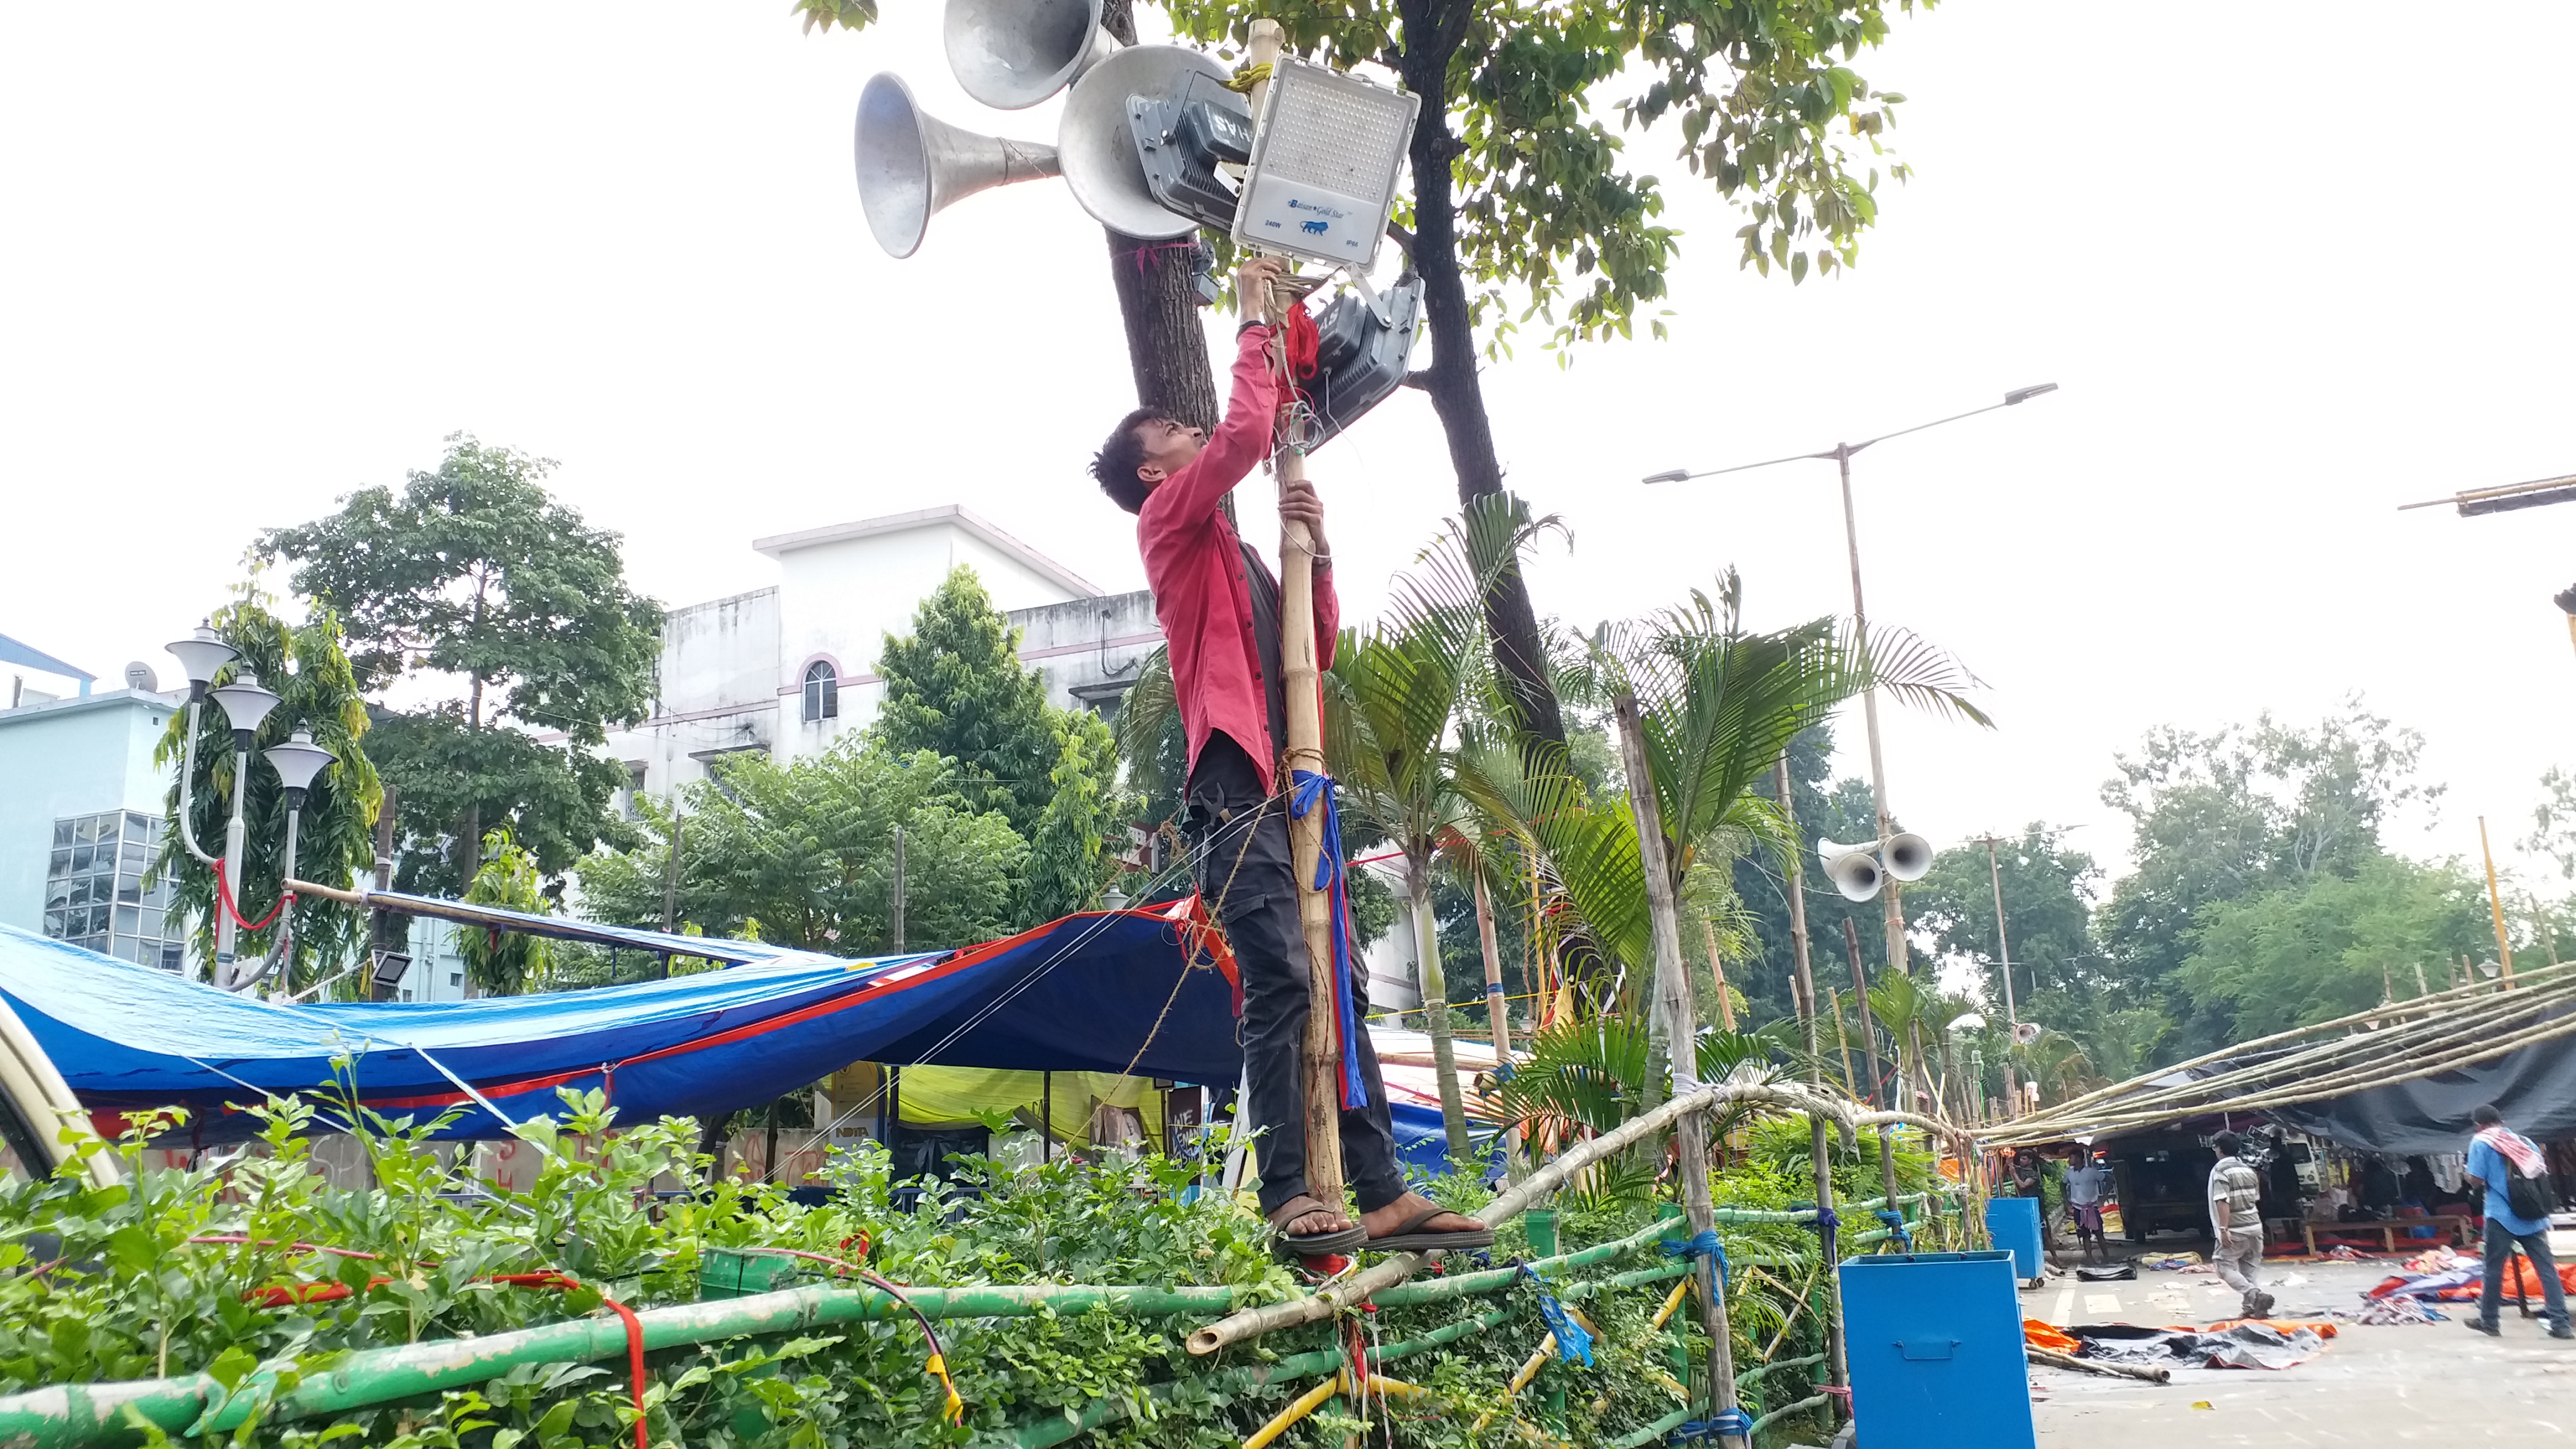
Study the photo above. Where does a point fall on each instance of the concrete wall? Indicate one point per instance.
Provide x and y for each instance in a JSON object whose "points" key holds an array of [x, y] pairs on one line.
{"points": [[841, 598], [719, 680], [1089, 650], [80, 756]]}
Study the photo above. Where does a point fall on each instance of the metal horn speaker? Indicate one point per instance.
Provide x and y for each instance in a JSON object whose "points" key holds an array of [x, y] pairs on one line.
{"points": [[913, 166], [1099, 149], [1908, 856], [1852, 869], [1012, 54]]}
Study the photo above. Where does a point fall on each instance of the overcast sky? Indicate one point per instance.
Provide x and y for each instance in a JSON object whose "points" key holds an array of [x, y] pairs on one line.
{"points": [[2289, 272]]}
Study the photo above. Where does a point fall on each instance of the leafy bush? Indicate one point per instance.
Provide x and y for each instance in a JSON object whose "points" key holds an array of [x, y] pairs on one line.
{"points": [[228, 1267]]}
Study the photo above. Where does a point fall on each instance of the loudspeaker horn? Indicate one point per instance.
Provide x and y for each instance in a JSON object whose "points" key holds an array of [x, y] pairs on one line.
{"points": [[1908, 856], [1099, 149], [1012, 54], [1852, 869], [913, 166]]}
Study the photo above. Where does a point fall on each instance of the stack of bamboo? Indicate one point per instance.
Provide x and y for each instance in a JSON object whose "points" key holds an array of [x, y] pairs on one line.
{"points": [[2398, 1041]]}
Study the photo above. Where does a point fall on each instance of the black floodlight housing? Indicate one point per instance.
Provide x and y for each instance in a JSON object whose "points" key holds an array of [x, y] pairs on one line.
{"points": [[1361, 357], [1184, 139]]}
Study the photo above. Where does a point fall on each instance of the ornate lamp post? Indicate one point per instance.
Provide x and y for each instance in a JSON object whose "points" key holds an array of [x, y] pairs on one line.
{"points": [[245, 703]]}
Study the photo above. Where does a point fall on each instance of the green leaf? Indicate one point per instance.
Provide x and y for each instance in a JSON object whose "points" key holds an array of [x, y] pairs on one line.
{"points": [[232, 1366]]}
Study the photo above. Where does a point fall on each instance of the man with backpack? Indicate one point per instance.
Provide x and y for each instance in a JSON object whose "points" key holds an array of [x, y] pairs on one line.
{"points": [[2516, 1179]]}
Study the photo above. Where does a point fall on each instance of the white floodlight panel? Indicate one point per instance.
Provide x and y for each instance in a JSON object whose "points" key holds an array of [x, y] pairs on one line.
{"points": [[1324, 165]]}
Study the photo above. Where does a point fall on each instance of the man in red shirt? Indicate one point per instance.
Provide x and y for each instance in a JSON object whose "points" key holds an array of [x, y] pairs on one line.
{"points": [[1219, 607]]}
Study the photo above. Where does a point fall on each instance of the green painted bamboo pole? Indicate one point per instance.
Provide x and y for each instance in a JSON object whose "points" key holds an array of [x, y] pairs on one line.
{"points": [[78, 1414], [1468, 1285]]}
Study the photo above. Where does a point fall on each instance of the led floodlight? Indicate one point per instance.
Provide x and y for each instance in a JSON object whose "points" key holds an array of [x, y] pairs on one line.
{"points": [[1324, 165]]}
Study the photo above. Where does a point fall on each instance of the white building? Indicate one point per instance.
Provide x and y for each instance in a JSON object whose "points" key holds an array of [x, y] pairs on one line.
{"points": [[789, 668]]}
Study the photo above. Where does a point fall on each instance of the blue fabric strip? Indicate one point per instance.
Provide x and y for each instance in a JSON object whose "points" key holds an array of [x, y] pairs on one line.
{"points": [[1331, 876]]}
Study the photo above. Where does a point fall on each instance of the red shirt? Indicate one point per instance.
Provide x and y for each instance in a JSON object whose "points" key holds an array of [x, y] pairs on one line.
{"points": [[1194, 565]]}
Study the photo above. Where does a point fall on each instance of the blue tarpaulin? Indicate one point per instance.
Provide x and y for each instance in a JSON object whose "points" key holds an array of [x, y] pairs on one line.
{"points": [[1104, 992]]}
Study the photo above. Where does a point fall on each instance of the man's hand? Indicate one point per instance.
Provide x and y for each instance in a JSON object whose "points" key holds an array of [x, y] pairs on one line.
{"points": [[1252, 286], [1299, 503]]}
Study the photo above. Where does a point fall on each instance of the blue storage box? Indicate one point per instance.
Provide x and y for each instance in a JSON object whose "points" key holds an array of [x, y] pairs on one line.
{"points": [[2013, 1223], [1936, 1352]]}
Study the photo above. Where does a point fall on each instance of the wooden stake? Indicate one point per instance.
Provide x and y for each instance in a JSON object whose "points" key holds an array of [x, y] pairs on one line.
{"points": [[1302, 680], [1673, 990], [1843, 1040]]}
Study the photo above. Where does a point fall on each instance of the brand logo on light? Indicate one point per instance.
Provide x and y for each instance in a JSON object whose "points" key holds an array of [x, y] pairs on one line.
{"points": [[1335, 212]]}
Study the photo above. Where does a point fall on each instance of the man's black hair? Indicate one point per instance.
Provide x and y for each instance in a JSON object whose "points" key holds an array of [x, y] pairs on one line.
{"points": [[1116, 463], [2488, 1116], [2227, 1143]]}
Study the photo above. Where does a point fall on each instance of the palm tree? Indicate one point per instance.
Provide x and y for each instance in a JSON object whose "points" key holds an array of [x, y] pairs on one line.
{"points": [[1716, 704], [1396, 699]]}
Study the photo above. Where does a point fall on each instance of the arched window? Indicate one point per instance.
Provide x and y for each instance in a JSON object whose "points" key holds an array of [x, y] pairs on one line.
{"points": [[822, 691]]}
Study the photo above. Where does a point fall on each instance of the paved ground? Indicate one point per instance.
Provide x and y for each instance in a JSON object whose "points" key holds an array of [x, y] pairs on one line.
{"points": [[2429, 1384]]}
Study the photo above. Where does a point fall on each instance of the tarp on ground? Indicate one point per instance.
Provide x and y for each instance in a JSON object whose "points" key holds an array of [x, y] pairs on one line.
{"points": [[1101, 992], [2535, 1088]]}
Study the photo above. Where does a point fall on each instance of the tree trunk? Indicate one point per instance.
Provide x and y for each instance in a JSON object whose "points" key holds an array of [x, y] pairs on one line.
{"points": [[1432, 31], [1435, 1005], [469, 846]]}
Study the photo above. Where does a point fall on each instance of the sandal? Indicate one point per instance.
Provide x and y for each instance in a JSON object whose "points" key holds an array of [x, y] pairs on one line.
{"points": [[1316, 1245], [1410, 1238]]}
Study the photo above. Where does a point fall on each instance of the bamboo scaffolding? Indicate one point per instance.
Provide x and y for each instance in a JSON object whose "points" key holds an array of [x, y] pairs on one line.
{"points": [[2416, 1006], [1360, 1287], [2446, 1040]]}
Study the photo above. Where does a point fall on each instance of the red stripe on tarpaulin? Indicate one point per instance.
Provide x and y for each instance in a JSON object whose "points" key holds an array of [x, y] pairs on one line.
{"points": [[890, 982]]}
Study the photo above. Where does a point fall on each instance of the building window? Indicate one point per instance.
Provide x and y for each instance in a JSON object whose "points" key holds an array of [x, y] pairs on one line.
{"points": [[634, 789], [822, 691], [94, 892]]}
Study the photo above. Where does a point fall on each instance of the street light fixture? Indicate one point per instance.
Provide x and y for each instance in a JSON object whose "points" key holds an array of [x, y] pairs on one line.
{"points": [[1841, 454], [297, 762]]}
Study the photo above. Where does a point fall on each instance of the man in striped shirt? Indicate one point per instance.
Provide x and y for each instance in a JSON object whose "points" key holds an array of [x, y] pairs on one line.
{"points": [[2236, 1221]]}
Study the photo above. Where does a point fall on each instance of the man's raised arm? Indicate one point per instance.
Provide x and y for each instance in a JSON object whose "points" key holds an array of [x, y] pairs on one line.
{"points": [[1242, 440]]}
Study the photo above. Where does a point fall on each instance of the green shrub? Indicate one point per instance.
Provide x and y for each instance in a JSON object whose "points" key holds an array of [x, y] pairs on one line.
{"points": [[166, 1274]]}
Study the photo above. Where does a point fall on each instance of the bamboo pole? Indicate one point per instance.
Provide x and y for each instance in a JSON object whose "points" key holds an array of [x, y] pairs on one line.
{"points": [[1673, 989], [1843, 1040], [1869, 1042], [1717, 972], [1302, 680], [1819, 1153], [2495, 902]]}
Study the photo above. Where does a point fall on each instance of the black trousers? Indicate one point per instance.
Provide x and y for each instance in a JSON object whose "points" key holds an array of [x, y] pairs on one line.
{"points": [[1246, 877]]}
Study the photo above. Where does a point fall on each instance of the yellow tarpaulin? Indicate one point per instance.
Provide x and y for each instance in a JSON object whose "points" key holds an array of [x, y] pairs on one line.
{"points": [[932, 1096]]}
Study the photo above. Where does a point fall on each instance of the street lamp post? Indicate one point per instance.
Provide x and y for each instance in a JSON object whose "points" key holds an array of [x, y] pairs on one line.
{"points": [[245, 703], [1841, 454], [2003, 953]]}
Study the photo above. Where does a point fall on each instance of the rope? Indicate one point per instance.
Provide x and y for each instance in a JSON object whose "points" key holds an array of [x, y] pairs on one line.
{"points": [[1703, 1245], [1897, 1231], [1826, 1222], [224, 902], [1242, 81], [1310, 788]]}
